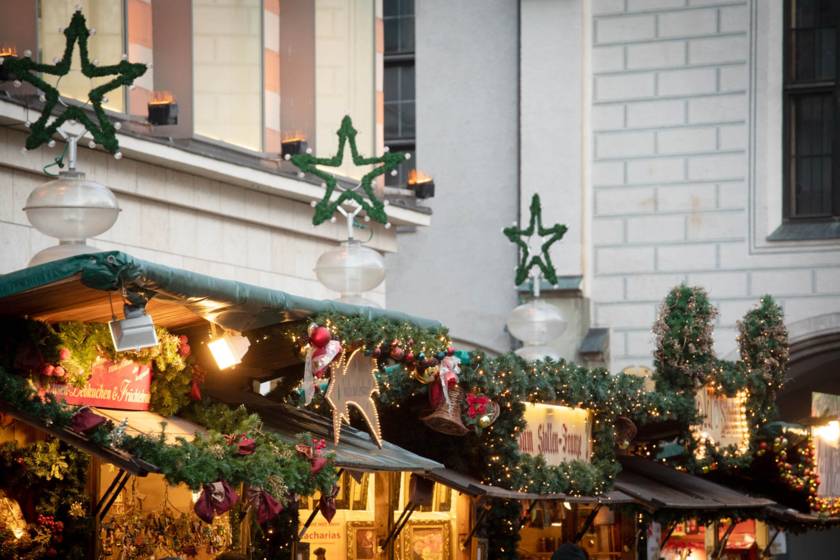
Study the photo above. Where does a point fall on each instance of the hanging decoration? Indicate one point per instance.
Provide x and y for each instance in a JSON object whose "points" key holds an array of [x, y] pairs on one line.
{"points": [[367, 200], [353, 383], [480, 413], [26, 70], [527, 247], [320, 353], [215, 499]]}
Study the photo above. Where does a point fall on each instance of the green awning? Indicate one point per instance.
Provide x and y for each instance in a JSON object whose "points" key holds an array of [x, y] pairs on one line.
{"points": [[45, 290]]}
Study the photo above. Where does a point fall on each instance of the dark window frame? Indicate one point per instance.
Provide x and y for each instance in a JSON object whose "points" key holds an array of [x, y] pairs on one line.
{"points": [[401, 58], [793, 91]]}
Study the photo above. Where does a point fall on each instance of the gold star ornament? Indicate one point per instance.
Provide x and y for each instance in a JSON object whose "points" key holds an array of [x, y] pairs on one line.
{"points": [[353, 383]]}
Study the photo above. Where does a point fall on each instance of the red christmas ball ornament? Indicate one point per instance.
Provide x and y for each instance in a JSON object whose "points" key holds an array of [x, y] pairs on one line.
{"points": [[48, 370], [320, 336], [59, 372], [409, 356], [376, 352], [64, 354], [450, 350], [397, 353]]}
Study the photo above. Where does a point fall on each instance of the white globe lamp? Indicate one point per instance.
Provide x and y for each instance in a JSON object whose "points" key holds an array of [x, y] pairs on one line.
{"points": [[536, 323], [71, 208], [351, 270]]}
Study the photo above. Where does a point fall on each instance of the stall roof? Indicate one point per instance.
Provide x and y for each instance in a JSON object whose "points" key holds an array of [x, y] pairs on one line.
{"points": [[356, 451], [72, 289], [659, 487], [140, 422], [116, 457], [473, 487]]}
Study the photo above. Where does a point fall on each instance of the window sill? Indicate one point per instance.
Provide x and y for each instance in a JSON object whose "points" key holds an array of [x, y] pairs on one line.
{"points": [[806, 231], [224, 162]]}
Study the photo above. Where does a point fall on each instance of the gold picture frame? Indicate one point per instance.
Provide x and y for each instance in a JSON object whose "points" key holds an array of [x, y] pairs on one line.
{"points": [[361, 540], [426, 540]]}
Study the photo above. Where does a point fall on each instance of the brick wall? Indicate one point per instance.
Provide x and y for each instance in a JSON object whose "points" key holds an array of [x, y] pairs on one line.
{"points": [[670, 122]]}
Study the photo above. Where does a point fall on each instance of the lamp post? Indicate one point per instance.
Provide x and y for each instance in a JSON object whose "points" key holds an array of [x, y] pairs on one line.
{"points": [[71, 208], [537, 322]]}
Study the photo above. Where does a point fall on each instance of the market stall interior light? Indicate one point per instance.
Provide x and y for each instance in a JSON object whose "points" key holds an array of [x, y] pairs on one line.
{"points": [[829, 433], [135, 331], [229, 349]]}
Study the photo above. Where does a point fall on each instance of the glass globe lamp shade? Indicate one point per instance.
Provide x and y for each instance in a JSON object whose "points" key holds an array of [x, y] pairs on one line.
{"points": [[72, 209], [351, 270], [537, 352], [536, 323]]}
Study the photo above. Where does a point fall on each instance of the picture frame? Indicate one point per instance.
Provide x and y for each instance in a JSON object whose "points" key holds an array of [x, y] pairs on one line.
{"points": [[360, 493], [361, 540], [425, 540]]}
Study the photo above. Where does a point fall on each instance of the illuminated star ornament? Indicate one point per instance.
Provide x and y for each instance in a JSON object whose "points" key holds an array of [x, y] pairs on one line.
{"points": [[366, 199], [26, 70], [528, 246], [353, 383]]}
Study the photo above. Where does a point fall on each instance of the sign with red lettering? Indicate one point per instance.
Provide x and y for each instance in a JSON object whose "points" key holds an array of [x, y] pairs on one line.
{"points": [[123, 385], [558, 433]]}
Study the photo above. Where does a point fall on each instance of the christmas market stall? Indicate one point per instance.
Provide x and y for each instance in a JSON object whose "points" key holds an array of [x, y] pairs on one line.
{"points": [[218, 476]]}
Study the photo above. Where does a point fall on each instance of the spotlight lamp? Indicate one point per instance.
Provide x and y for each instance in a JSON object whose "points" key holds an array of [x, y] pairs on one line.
{"points": [[135, 331], [229, 349]]}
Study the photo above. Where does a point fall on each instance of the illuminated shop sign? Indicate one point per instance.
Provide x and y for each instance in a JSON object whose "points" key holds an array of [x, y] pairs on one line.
{"points": [[557, 433]]}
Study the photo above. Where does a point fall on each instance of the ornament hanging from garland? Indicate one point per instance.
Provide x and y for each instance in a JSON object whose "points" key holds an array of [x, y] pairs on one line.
{"points": [[320, 353], [527, 257], [26, 70], [481, 412], [373, 207], [354, 383]]}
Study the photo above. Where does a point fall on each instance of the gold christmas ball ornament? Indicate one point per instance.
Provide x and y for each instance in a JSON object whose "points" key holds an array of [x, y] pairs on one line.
{"points": [[303, 351], [426, 375], [485, 421]]}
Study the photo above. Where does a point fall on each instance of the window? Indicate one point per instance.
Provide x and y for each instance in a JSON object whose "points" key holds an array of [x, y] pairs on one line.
{"points": [[812, 169], [227, 71], [106, 47], [345, 76], [400, 131]]}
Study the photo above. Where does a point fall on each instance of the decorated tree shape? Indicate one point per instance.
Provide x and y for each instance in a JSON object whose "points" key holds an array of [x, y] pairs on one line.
{"points": [[685, 362], [26, 70], [534, 243], [366, 200]]}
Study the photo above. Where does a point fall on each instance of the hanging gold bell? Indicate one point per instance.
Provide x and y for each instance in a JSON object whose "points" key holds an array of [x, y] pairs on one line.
{"points": [[446, 418]]}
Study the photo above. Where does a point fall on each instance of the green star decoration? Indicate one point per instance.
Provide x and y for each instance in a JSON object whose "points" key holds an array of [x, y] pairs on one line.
{"points": [[373, 207], [103, 132], [535, 227]]}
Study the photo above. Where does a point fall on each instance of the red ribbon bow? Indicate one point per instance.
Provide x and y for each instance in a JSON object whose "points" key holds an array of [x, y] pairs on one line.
{"points": [[315, 454], [266, 507], [244, 444], [215, 499]]}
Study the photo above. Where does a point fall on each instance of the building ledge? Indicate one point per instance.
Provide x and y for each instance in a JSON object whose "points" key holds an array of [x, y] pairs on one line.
{"points": [[806, 231], [263, 172], [566, 286]]}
